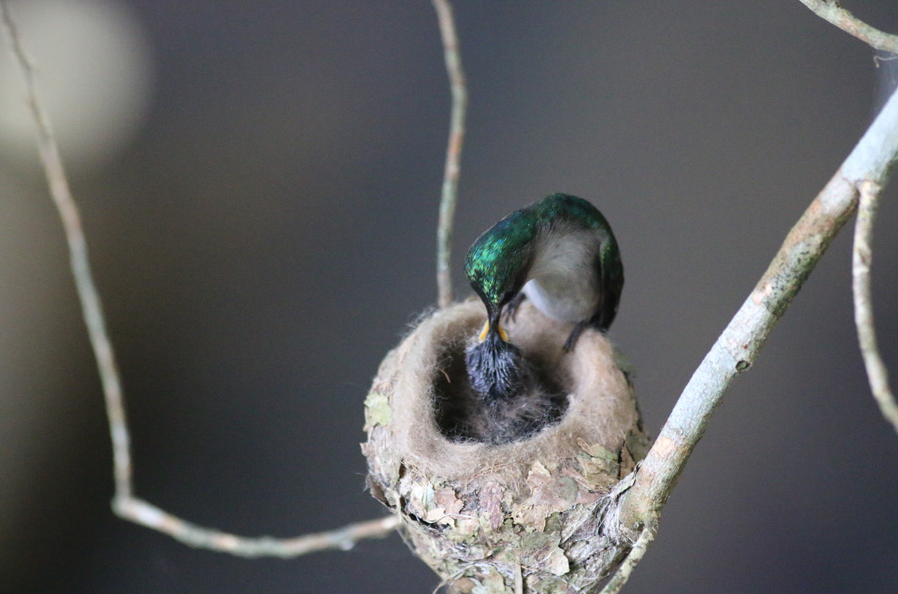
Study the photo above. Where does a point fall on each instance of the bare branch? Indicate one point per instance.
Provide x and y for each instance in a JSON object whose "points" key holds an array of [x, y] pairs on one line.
{"points": [[453, 151], [87, 291], [124, 502], [832, 11], [146, 514], [862, 260], [737, 348]]}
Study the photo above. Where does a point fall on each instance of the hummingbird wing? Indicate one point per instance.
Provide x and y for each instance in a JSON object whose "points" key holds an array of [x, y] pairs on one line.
{"points": [[611, 283]]}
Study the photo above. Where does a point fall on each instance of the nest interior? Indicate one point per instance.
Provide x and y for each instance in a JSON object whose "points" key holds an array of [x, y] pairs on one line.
{"points": [[464, 416], [509, 499]]}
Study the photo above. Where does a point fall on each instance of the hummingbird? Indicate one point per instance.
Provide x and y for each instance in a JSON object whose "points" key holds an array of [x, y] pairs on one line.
{"points": [[560, 253]]}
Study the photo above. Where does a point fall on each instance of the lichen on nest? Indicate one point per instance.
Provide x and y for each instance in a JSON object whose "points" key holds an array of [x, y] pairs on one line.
{"points": [[495, 502]]}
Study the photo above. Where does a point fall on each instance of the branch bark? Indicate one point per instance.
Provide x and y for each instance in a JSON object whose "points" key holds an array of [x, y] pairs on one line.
{"points": [[620, 577], [124, 503], [459, 91], [832, 12]]}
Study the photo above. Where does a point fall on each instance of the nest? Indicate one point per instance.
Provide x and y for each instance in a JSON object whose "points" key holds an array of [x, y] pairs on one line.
{"points": [[512, 500]]}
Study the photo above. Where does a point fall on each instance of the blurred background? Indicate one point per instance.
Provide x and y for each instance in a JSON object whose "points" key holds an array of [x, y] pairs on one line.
{"points": [[259, 183]]}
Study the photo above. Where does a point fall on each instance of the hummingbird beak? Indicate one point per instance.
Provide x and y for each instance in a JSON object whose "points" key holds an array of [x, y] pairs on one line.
{"points": [[493, 321]]}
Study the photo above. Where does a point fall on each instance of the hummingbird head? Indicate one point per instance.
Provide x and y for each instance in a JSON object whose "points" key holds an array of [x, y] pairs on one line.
{"points": [[497, 265]]}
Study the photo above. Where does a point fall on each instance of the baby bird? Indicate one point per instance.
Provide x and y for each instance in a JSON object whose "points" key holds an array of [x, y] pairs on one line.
{"points": [[561, 254]]}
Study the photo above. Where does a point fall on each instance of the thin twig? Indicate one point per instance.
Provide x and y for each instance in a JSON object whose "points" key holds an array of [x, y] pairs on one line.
{"points": [[146, 514], [737, 348], [453, 151], [862, 259], [832, 11], [646, 537], [124, 502], [87, 291]]}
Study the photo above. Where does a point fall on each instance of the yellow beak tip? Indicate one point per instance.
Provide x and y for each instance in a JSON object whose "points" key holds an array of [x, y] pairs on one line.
{"points": [[486, 329]]}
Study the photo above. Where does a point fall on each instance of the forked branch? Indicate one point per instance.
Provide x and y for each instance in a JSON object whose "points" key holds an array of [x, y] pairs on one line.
{"points": [[870, 191], [863, 173], [737, 348]]}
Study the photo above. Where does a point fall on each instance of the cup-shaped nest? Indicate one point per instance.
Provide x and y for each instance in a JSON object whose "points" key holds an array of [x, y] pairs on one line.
{"points": [[508, 496]]}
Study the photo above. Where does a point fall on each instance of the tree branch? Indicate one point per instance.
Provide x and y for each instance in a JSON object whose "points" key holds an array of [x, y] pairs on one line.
{"points": [[862, 260], [80, 266], [124, 503], [737, 348], [453, 151], [832, 12], [646, 537], [146, 514]]}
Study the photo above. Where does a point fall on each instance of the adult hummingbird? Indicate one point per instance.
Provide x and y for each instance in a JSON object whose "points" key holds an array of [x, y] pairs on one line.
{"points": [[560, 253]]}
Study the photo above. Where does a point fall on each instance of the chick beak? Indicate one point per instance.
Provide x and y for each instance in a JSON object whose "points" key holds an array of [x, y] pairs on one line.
{"points": [[486, 330]]}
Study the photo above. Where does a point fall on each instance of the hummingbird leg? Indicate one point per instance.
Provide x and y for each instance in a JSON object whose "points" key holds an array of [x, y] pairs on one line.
{"points": [[571, 341], [511, 309]]}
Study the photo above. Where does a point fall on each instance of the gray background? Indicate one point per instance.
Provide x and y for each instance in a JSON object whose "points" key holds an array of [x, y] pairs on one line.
{"points": [[269, 235]]}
